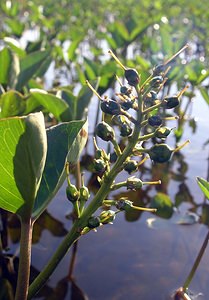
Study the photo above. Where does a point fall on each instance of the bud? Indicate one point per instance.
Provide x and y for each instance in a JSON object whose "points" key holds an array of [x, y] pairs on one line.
{"points": [[84, 193], [134, 183], [162, 132], [124, 205], [99, 165], [107, 216], [72, 193]]}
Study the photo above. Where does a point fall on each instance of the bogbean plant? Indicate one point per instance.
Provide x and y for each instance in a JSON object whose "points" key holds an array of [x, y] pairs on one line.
{"points": [[143, 99]]}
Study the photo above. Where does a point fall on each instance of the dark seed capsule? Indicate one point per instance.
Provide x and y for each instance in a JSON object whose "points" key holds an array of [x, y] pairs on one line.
{"points": [[125, 90], [104, 131], [132, 77], [160, 153], [159, 70], [99, 165], [155, 121], [126, 105], [93, 222], [171, 102], [110, 107], [156, 81], [130, 166], [125, 130], [72, 193]]}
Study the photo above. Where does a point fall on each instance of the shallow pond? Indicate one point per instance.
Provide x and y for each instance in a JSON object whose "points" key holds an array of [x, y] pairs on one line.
{"points": [[140, 256]]}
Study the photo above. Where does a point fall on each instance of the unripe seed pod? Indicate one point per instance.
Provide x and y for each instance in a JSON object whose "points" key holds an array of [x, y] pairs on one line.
{"points": [[171, 102], [162, 132], [99, 165], [151, 96], [107, 216], [104, 131], [159, 69], [93, 222], [133, 183], [132, 77], [110, 107], [125, 130], [124, 205], [155, 121], [72, 193], [98, 154], [130, 166], [160, 153], [84, 193]]}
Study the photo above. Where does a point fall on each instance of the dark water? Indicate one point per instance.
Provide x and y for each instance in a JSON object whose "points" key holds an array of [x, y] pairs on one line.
{"points": [[146, 257]]}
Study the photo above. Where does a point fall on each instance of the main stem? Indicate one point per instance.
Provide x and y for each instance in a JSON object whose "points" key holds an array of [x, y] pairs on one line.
{"points": [[24, 260], [74, 233]]}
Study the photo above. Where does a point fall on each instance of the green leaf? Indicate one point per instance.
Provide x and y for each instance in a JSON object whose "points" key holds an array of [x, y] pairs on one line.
{"points": [[72, 49], [83, 101], [71, 100], [204, 93], [53, 104], [5, 62], [204, 185], [12, 104], [30, 65], [14, 46], [65, 143], [22, 158], [163, 204]]}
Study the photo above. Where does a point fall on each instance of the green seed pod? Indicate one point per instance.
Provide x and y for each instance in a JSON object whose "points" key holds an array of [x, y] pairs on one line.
{"points": [[155, 121], [104, 131], [160, 153], [93, 222], [133, 183], [110, 107], [98, 154], [107, 216], [162, 132], [130, 166], [124, 205], [72, 193], [99, 165], [84, 193], [132, 77], [125, 130], [171, 102]]}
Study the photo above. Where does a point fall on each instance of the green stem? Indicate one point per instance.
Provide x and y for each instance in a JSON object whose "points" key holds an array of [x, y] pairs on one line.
{"points": [[118, 185], [79, 224], [196, 263], [24, 260]]}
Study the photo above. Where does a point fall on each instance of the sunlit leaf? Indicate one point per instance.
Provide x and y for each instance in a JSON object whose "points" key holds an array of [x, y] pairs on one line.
{"points": [[205, 94], [58, 107], [5, 62], [204, 185], [12, 104], [22, 158], [65, 143]]}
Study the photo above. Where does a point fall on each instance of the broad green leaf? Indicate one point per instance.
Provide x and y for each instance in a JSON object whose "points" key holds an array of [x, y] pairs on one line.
{"points": [[53, 104], [29, 66], [163, 204], [65, 143], [71, 100], [15, 46], [22, 158], [12, 104], [5, 62], [204, 185]]}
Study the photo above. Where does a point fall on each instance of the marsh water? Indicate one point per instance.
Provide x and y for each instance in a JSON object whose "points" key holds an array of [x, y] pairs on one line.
{"points": [[140, 256]]}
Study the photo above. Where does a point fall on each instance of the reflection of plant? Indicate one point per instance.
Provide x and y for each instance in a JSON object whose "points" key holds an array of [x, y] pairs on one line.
{"points": [[182, 292]]}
